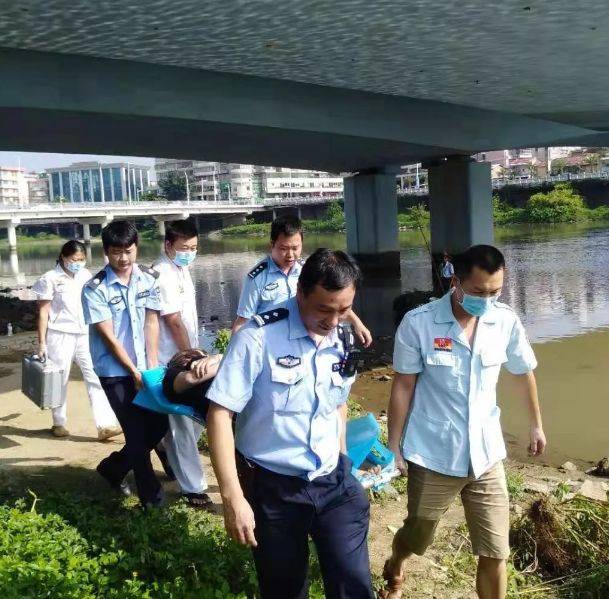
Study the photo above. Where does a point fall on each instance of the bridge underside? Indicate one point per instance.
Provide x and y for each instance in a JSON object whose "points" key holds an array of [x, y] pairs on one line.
{"points": [[344, 86]]}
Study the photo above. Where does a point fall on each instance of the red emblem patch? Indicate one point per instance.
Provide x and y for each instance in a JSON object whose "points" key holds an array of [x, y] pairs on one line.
{"points": [[443, 344]]}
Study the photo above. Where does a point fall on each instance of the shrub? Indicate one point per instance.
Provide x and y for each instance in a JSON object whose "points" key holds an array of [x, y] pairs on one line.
{"points": [[560, 205], [222, 340], [82, 549]]}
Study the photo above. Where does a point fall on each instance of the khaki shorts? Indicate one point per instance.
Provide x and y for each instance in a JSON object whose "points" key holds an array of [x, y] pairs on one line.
{"points": [[485, 501]]}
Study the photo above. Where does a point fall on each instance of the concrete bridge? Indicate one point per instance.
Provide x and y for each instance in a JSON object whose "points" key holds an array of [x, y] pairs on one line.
{"points": [[344, 86], [102, 213]]}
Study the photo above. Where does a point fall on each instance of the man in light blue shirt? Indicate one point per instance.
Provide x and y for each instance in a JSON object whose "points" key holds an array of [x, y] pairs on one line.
{"points": [[444, 418], [274, 279], [287, 375], [121, 305]]}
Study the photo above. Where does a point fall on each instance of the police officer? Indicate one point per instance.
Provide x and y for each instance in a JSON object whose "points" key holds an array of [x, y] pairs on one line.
{"points": [[179, 332], [444, 418], [121, 304], [274, 279], [287, 375]]}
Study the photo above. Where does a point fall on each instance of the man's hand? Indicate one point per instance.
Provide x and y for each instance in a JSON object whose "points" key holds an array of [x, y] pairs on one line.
{"points": [[538, 441], [362, 333], [42, 352], [239, 521], [400, 464], [137, 379]]}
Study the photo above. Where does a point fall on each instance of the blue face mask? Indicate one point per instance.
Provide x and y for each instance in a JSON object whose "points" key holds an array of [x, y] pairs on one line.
{"points": [[75, 267], [184, 258], [477, 306]]}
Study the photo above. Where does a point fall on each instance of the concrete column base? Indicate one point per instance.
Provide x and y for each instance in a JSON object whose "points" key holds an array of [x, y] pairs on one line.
{"points": [[161, 226], [385, 265], [86, 233], [371, 216], [461, 209]]}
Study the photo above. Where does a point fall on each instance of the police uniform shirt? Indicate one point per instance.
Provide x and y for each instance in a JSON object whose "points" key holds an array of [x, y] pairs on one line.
{"points": [[286, 392], [63, 291], [454, 418], [267, 286], [106, 298], [177, 295]]}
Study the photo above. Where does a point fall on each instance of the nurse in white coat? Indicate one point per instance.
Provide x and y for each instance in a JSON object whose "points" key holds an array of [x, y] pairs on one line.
{"points": [[63, 336], [180, 331]]}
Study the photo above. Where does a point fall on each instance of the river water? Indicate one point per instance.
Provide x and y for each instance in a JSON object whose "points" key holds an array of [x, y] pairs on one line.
{"points": [[556, 280]]}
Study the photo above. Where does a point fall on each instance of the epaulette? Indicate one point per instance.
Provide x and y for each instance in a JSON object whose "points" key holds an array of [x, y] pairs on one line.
{"points": [[97, 279], [420, 309], [270, 317], [150, 271], [252, 274]]}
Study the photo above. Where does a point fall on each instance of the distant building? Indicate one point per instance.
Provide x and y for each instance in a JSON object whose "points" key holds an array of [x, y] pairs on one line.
{"points": [[38, 188], [98, 182], [220, 181], [13, 186]]}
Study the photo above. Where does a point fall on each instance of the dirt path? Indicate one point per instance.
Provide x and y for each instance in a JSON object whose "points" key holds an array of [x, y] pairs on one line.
{"points": [[29, 451]]}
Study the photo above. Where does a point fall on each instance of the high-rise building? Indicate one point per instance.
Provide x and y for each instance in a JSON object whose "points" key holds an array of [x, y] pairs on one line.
{"points": [[13, 186], [98, 182]]}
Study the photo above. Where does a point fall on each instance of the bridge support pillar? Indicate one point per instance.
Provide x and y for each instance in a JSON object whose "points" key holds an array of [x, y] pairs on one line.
{"points": [[12, 235], [86, 233], [299, 213], [371, 215], [161, 226], [274, 213], [461, 208]]}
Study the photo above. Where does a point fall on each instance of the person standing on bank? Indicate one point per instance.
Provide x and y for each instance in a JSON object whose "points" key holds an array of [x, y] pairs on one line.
{"points": [[287, 375], [63, 336], [448, 271], [274, 279], [444, 419], [180, 331], [121, 305]]}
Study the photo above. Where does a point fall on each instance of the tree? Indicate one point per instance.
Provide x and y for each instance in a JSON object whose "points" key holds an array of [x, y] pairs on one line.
{"points": [[173, 186], [150, 196], [560, 205]]}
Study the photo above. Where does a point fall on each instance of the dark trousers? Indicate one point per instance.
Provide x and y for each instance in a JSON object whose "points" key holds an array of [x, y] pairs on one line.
{"points": [[143, 429], [332, 509]]}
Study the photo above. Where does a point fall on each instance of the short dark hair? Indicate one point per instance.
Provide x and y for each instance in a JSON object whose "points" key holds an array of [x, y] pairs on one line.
{"points": [[285, 225], [186, 229], [332, 269], [485, 257], [69, 248], [119, 234]]}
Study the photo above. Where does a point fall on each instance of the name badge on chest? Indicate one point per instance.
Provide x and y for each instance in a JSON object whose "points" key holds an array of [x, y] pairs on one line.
{"points": [[271, 286], [117, 299], [443, 344], [289, 361]]}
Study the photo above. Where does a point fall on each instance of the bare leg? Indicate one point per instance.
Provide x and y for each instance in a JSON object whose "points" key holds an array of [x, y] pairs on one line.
{"points": [[491, 579]]}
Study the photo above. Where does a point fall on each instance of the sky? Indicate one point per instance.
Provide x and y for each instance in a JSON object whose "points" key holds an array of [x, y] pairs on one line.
{"points": [[36, 161]]}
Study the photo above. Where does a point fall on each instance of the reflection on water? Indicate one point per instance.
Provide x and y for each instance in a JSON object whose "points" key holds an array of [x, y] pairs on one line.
{"points": [[555, 280]]}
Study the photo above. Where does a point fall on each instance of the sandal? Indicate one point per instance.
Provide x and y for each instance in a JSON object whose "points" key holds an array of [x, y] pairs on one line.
{"points": [[198, 500], [394, 582]]}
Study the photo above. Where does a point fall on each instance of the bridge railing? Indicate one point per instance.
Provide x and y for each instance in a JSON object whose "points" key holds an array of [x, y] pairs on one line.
{"points": [[182, 206]]}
